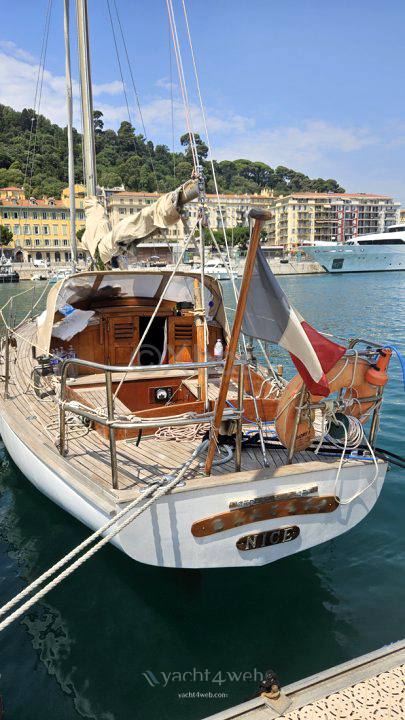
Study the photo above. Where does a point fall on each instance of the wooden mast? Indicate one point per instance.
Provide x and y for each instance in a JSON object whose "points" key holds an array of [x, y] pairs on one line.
{"points": [[200, 340], [259, 217], [89, 152]]}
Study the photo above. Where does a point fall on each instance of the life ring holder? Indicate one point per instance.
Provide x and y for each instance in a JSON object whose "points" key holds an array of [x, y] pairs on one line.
{"points": [[354, 378]]}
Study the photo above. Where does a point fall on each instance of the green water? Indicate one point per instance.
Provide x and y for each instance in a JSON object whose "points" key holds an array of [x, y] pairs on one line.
{"points": [[84, 651]]}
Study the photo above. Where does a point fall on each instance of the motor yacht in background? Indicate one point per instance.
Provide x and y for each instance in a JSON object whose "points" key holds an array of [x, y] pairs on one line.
{"points": [[364, 253], [217, 269]]}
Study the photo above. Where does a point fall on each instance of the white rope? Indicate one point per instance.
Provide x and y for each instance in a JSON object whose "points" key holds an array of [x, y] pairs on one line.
{"points": [[98, 546], [183, 86], [353, 437], [180, 434]]}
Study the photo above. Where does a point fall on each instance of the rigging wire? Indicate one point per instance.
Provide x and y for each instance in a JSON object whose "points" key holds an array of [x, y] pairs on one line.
{"points": [[117, 53], [197, 171], [183, 86], [172, 106], [228, 263], [134, 88], [38, 96]]}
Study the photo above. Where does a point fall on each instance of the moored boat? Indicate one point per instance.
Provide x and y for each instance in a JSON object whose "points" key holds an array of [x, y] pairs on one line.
{"points": [[130, 388], [376, 252], [8, 275]]}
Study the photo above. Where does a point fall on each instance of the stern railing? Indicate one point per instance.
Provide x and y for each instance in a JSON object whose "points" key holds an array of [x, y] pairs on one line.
{"points": [[113, 424]]}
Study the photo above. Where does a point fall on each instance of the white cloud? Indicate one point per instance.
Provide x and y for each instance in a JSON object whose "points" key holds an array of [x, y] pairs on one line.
{"points": [[165, 83], [12, 49], [313, 146], [298, 146], [158, 117], [112, 88], [18, 78]]}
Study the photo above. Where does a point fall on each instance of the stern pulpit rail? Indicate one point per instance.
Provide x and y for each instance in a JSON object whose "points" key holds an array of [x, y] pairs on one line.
{"points": [[132, 421]]}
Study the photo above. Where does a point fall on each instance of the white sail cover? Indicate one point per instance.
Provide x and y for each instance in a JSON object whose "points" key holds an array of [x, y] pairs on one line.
{"points": [[110, 240]]}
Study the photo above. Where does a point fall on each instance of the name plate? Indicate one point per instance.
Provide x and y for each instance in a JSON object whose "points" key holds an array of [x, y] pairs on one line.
{"points": [[265, 539], [294, 493]]}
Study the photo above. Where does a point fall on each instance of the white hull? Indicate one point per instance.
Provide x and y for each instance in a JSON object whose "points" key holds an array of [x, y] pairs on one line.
{"points": [[356, 258], [162, 535]]}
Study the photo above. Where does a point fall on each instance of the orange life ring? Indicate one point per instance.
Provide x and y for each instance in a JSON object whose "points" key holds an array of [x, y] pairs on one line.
{"points": [[350, 374]]}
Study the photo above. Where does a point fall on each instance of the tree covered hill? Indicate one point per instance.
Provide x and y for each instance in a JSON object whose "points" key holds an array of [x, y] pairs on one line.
{"points": [[33, 153]]}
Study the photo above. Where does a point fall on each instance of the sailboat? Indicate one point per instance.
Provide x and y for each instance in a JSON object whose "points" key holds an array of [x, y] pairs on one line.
{"points": [[131, 388]]}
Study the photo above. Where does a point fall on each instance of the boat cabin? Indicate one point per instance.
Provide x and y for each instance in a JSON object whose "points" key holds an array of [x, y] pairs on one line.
{"points": [[101, 317]]}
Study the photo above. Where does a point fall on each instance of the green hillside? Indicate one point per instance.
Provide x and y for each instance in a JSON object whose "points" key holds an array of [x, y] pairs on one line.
{"points": [[38, 159]]}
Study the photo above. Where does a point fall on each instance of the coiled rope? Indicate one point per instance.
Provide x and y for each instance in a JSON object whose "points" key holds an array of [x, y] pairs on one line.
{"points": [[353, 437]]}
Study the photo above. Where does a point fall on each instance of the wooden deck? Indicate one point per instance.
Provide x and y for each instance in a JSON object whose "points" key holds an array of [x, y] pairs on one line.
{"points": [[89, 453]]}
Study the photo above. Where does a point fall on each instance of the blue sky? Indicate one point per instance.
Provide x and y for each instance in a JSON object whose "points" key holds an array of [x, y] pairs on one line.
{"points": [[312, 85]]}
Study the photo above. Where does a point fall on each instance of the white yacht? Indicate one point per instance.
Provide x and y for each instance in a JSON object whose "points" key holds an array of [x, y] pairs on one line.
{"points": [[364, 253], [217, 269]]}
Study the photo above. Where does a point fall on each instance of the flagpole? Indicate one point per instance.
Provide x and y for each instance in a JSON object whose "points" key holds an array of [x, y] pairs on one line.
{"points": [[259, 217]]}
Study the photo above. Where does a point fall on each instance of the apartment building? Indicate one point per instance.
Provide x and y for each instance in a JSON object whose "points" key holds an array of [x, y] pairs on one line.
{"points": [[233, 208], [298, 219], [41, 228], [306, 218]]}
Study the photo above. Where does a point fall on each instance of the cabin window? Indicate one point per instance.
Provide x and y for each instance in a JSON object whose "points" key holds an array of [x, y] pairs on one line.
{"points": [[337, 263], [383, 241]]}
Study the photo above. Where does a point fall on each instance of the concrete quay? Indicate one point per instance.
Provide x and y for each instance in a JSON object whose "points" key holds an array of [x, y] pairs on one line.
{"points": [[369, 687], [290, 267]]}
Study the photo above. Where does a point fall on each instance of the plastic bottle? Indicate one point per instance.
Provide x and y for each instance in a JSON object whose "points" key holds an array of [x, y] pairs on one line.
{"points": [[218, 350], [72, 368]]}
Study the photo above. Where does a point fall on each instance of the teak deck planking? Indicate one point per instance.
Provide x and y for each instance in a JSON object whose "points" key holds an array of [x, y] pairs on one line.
{"points": [[89, 452]]}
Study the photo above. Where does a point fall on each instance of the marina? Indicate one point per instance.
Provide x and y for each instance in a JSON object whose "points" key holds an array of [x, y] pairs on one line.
{"points": [[201, 388], [327, 594]]}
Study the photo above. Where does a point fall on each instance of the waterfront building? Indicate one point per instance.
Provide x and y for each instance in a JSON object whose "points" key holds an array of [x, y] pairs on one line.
{"points": [[308, 218], [299, 218], [231, 210], [40, 227]]}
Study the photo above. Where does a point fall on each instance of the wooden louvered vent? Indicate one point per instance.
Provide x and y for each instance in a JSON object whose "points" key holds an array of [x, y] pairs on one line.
{"points": [[183, 333], [124, 330], [181, 339]]}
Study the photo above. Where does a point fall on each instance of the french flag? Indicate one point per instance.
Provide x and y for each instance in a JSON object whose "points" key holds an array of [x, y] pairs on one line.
{"points": [[270, 317]]}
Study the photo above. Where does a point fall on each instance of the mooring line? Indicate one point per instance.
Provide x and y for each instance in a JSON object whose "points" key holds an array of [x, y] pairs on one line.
{"points": [[98, 546]]}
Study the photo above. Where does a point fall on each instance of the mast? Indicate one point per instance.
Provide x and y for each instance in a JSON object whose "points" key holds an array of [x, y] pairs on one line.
{"points": [[71, 160], [89, 153]]}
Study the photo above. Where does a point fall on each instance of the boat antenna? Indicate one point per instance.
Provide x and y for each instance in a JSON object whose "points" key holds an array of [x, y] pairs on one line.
{"points": [[89, 148], [71, 159]]}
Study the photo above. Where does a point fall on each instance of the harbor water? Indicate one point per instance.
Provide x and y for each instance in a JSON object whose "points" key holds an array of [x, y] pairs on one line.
{"points": [[123, 641]]}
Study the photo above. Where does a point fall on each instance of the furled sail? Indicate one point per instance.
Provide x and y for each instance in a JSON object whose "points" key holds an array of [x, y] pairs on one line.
{"points": [[269, 316], [106, 240]]}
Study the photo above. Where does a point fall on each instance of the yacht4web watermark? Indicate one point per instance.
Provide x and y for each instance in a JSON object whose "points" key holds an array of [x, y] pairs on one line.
{"points": [[216, 678]]}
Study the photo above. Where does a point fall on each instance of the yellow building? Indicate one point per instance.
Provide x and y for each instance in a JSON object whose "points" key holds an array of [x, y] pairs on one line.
{"points": [[41, 228]]}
